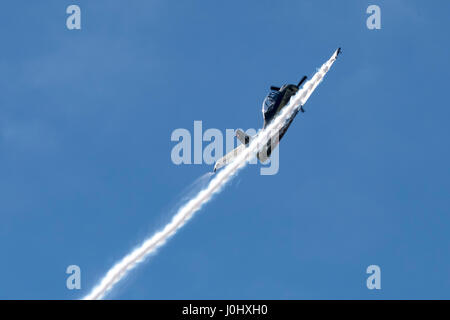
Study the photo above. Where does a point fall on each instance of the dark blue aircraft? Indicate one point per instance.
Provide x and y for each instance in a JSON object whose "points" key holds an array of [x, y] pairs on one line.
{"points": [[275, 101]]}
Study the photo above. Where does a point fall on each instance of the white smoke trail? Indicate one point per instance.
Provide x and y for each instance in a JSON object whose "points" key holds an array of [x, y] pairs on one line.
{"points": [[120, 269]]}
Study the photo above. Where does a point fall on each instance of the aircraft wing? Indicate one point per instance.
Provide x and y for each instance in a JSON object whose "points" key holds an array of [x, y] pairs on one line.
{"points": [[245, 139], [226, 159]]}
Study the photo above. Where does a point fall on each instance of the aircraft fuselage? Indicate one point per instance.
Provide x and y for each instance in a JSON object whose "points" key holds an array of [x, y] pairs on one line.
{"points": [[275, 101]]}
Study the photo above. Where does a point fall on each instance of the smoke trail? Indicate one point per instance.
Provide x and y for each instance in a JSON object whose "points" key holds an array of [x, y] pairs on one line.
{"points": [[120, 269]]}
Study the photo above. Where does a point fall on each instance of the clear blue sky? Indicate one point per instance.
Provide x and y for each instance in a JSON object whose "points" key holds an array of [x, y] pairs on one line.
{"points": [[85, 169]]}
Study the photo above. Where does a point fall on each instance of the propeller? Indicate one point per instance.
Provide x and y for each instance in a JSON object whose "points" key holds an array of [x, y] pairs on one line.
{"points": [[301, 81]]}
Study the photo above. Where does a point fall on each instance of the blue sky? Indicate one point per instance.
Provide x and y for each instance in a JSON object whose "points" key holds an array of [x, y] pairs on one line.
{"points": [[85, 169]]}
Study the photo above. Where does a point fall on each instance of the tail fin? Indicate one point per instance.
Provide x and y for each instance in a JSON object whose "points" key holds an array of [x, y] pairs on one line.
{"points": [[243, 137]]}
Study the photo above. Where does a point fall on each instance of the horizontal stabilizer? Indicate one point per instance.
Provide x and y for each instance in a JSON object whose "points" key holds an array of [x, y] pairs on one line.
{"points": [[243, 137]]}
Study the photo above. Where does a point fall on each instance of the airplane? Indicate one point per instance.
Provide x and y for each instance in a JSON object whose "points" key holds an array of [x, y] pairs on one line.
{"points": [[274, 102]]}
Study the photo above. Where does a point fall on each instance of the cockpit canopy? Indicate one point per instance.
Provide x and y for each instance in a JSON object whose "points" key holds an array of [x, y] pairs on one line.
{"points": [[271, 101], [275, 99]]}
